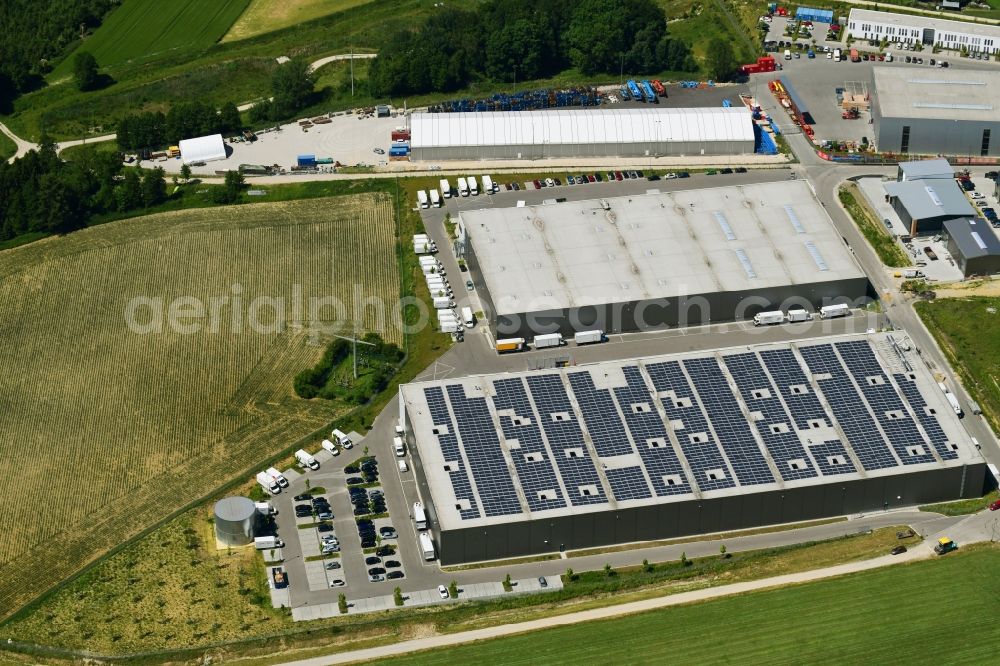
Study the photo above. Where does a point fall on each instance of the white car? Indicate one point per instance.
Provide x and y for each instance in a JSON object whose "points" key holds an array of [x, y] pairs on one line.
{"points": [[829, 55], [976, 195], [337, 583], [443, 591], [670, 176], [549, 182]]}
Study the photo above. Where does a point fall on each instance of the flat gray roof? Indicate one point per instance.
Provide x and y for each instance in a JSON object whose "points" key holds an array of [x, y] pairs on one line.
{"points": [[974, 237], [650, 246], [931, 198], [636, 432], [930, 93], [927, 169]]}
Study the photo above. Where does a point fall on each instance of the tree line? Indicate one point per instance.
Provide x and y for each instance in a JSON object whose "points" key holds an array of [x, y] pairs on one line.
{"points": [[519, 40], [33, 34], [182, 121], [41, 193]]}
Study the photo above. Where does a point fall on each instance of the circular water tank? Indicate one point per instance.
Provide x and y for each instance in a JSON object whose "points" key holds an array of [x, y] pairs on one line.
{"points": [[235, 519]]}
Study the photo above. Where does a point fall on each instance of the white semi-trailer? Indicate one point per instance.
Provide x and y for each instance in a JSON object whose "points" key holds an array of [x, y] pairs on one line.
{"points": [[950, 397], [443, 303], [422, 198], [799, 315], [419, 516], [427, 546], [548, 340], [435, 199], [463, 188], [445, 188], [831, 311], [588, 337], [473, 185], [768, 318]]}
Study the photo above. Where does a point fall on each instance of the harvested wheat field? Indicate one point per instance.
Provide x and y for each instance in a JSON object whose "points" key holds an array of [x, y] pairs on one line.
{"points": [[105, 428]]}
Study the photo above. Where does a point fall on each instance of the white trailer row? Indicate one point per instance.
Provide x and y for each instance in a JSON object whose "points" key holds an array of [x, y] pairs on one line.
{"points": [[773, 317], [423, 244], [469, 186]]}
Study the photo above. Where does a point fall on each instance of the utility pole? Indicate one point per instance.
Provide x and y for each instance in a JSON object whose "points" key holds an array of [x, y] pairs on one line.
{"points": [[353, 339]]}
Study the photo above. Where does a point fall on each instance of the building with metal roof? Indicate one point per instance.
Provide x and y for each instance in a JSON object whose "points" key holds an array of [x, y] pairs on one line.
{"points": [[584, 132], [203, 149], [235, 521], [925, 205], [922, 111], [926, 30], [649, 448], [654, 260], [936, 169], [973, 245]]}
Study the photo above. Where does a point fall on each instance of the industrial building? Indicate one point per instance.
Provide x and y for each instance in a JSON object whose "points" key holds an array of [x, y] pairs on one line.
{"points": [[973, 245], [656, 260], [203, 149], [584, 132], [235, 521], [936, 169], [632, 450], [925, 205], [928, 31], [920, 111]]}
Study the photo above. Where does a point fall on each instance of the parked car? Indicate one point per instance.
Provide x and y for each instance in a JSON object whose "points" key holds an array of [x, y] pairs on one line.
{"points": [[741, 169], [355, 481], [376, 571], [304, 497], [443, 591], [324, 527], [392, 564], [388, 533], [393, 575], [372, 560], [352, 469], [385, 551], [337, 583], [537, 184], [898, 550], [725, 171], [995, 505], [516, 186], [331, 566], [683, 174], [549, 182], [376, 578]]}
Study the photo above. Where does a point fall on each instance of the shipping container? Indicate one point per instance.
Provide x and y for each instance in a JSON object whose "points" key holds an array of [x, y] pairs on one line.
{"points": [[510, 344], [306, 160], [587, 337]]}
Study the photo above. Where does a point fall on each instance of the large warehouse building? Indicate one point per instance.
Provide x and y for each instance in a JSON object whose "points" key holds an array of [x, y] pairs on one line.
{"points": [[523, 463], [648, 261], [926, 30], [936, 111], [597, 132]]}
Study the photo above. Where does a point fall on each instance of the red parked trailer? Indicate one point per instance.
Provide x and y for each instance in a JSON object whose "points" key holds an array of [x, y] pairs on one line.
{"points": [[401, 135]]}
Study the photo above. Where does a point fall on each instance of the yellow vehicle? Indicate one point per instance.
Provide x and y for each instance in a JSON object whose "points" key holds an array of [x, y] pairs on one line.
{"points": [[945, 545]]}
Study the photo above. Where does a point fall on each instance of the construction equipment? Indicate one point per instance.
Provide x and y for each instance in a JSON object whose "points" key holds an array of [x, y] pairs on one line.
{"points": [[945, 545]]}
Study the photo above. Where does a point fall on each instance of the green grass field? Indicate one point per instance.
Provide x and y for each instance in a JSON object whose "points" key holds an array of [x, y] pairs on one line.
{"points": [[7, 147], [268, 15], [142, 30], [969, 334], [937, 611], [888, 250]]}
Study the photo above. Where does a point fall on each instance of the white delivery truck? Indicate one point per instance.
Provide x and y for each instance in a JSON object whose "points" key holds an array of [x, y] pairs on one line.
{"points": [[428, 261], [424, 248], [431, 269], [836, 55], [427, 546], [268, 483], [831, 311], [488, 186], [400, 430], [463, 188], [267, 542], [768, 318], [443, 303], [278, 476], [467, 316], [422, 198], [435, 281], [342, 439], [548, 340], [587, 337], [306, 460], [950, 397], [419, 516], [445, 188], [435, 199], [265, 509], [473, 185], [799, 315], [398, 447], [449, 326], [331, 447]]}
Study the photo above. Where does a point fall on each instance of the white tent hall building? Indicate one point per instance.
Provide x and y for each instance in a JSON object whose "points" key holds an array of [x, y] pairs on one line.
{"points": [[202, 149]]}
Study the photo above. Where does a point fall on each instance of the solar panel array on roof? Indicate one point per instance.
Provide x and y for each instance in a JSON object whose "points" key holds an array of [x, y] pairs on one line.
{"points": [[636, 431]]}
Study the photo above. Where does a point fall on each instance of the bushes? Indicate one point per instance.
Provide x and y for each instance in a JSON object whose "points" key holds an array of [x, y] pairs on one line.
{"points": [[331, 379]]}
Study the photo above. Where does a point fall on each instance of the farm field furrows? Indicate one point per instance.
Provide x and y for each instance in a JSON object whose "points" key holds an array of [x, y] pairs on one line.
{"points": [[141, 29], [269, 15], [104, 428]]}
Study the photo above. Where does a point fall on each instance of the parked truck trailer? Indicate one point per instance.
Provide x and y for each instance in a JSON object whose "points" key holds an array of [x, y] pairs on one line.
{"points": [[548, 340], [768, 318], [427, 546], [588, 337], [445, 188], [422, 198], [510, 344], [832, 311]]}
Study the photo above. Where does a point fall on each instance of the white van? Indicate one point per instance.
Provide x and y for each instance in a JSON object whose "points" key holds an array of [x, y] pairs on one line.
{"points": [[836, 54], [398, 447], [403, 466], [788, 54], [342, 439], [331, 447]]}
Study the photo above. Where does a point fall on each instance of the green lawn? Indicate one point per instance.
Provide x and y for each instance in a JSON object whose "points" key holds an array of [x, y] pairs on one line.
{"points": [[888, 250], [142, 30], [7, 147], [969, 334], [940, 611], [963, 507]]}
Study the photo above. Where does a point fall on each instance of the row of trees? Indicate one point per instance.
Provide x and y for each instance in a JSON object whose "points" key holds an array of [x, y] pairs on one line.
{"points": [[508, 40], [182, 121], [39, 193], [32, 34]]}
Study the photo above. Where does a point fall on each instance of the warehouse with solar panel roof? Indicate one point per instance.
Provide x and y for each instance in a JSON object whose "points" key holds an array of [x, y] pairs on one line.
{"points": [[655, 260], [632, 450]]}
